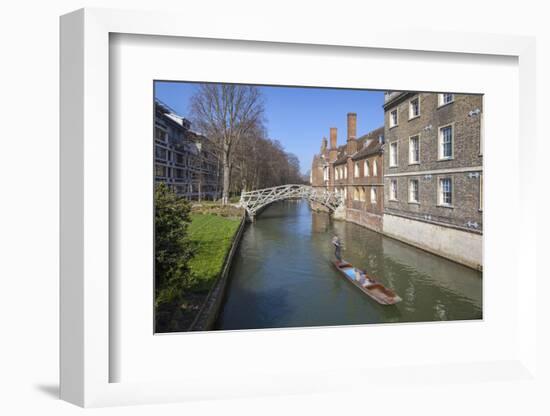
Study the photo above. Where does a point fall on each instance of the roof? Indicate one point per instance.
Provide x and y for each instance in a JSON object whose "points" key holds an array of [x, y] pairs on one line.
{"points": [[371, 144]]}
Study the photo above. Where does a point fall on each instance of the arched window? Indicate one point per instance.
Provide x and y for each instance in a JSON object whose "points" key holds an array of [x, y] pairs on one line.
{"points": [[356, 174], [367, 168], [373, 195], [375, 168]]}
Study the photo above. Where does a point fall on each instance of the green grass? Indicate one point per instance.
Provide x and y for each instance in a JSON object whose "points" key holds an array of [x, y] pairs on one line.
{"points": [[212, 236]]}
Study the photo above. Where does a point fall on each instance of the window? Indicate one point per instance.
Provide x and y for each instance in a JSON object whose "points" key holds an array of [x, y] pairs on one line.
{"points": [[356, 172], [445, 192], [445, 98], [337, 173], [160, 134], [393, 190], [366, 168], [414, 108], [414, 149], [346, 172], [375, 168], [179, 173], [180, 159], [393, 118], [446, 142], [356, 194], [413, 191], [160, 153], [363, 195], [160, 171], [393, 154], [373, 195]]}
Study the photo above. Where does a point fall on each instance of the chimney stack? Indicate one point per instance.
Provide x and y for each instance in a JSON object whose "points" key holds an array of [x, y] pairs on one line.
{"points": [[352, 126], [333, 133], [351, 147], [333, 153]]}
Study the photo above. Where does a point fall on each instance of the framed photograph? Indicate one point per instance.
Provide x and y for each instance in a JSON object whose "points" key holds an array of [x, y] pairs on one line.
{"points": [[312, 215]]}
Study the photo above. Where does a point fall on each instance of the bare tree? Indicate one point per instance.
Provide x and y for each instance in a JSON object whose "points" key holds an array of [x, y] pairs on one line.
{"points": [[226, 113]]}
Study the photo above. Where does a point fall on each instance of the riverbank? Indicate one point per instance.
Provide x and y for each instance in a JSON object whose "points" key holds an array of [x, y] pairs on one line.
{"points": [[212, 232]]}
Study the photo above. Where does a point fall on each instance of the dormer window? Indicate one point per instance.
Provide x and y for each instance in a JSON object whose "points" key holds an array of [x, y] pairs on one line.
{"points": [[414, 108], [446, 98]]}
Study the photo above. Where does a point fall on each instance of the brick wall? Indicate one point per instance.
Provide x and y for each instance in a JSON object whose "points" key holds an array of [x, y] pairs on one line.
{"points": [[463, 167]]}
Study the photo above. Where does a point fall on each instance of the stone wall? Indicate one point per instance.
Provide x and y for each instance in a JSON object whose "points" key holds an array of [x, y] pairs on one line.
{"points": [[460, 246]]}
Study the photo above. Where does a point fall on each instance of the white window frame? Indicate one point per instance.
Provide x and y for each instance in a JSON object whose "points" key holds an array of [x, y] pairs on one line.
{"points": [[393, 190], [411, 200], [441, 98], [391, 122], [411, 161], [440, 142], [396, 152], [411, 115], [373, 195], [440, 201], [366, 168]]}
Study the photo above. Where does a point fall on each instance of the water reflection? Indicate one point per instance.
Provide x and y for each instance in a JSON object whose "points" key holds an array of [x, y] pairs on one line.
{"points": [[282, 276]]}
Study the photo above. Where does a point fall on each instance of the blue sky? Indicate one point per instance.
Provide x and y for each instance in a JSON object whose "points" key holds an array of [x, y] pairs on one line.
{"points": [[298, 117]]}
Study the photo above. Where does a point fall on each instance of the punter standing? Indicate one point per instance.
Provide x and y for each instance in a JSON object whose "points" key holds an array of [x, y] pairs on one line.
{"points": [[337, 248]]}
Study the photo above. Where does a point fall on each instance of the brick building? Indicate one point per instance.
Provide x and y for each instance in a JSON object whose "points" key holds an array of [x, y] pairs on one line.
{"points": [[184, 160], [433, 173], [355, 171]]}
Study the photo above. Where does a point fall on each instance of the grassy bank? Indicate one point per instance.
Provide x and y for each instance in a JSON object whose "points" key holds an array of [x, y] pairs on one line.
{"points": [[212, 235]]}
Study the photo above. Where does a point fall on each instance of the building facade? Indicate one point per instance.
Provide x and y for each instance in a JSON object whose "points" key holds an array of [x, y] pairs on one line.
{"points": [[184, 160], [433, 173], [355, 171]]}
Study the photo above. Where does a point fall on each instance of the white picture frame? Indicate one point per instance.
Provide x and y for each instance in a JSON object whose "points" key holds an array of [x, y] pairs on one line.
{"points": [[86, 355]]}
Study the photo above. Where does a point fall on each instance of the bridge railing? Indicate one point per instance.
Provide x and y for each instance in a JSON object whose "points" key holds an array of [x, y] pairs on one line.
{"points": [[255, 200]]}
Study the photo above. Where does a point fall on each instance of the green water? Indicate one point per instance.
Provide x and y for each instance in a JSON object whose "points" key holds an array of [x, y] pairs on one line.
{"points": [[282, 276]]}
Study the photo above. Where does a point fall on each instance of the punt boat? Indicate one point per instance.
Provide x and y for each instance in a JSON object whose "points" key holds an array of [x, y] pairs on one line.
{"points": [[370, 286]]}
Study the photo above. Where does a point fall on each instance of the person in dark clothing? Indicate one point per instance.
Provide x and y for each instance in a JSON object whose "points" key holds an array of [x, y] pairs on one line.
{"points": [[337, 248]]}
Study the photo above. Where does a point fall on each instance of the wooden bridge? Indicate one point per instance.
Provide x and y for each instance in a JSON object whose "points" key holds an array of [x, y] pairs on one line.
{"points": [[254, 201]]}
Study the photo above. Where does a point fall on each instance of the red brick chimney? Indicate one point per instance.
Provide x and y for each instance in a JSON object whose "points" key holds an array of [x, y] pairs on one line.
{"points": [[351, 146], [333, 153]]}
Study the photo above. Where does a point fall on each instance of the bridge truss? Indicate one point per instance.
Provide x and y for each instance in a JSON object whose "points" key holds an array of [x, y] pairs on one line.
{"points": [[254, 201]]}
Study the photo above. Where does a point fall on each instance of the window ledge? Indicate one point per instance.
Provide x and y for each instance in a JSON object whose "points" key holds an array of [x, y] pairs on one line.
{"points": [[445, 159], [414, 163], [414, 203], [445, 206], [414, 117]]}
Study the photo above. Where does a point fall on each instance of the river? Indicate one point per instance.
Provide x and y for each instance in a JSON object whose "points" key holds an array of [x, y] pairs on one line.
{"points": [[282, 276]]}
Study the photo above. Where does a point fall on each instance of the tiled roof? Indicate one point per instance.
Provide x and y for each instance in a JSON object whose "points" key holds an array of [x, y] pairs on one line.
{"points": [[370, 144]]}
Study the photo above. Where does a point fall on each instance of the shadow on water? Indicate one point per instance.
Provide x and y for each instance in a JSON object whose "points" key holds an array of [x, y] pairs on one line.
{"points": [[282, 276]]}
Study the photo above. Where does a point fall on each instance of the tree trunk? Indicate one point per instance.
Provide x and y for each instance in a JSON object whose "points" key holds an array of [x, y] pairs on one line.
{"points": [[226, 177]]}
